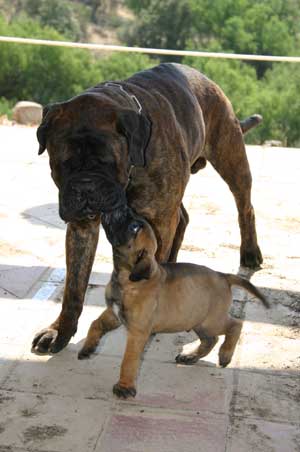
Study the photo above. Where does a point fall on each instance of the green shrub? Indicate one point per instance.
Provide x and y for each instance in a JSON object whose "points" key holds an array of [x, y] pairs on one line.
{"points": [[122, 65], [50, 74], [6, 107]]}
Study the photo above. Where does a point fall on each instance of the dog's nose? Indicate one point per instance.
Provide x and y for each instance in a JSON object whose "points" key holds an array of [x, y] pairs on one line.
{"points": [[134, 227]]}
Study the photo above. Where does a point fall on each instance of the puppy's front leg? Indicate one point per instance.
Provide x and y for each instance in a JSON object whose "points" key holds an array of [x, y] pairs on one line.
{"points": [[105, 323], [136, 342]]}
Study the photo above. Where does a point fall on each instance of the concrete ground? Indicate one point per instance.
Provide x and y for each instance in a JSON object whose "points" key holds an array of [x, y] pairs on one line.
{"points": [[59, 404]]}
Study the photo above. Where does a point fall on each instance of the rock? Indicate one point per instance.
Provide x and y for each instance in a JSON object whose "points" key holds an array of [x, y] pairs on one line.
{"points": [[276, 143], [28, 113]]}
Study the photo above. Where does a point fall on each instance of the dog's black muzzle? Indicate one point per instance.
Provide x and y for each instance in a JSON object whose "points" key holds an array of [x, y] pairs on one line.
{"points": [[85, 197]]}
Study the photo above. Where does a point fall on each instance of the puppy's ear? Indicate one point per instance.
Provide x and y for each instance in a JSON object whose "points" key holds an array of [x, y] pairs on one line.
{"points": [[43, 129], [141, 270], [137, 129]]}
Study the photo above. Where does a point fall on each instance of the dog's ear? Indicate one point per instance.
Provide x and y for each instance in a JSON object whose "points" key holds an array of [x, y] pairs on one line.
{"points": [[43, 128], [137, 129], [141, 270]]}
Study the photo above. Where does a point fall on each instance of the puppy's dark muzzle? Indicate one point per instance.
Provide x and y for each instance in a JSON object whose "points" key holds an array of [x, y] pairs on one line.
{"points": [[121, 225]]}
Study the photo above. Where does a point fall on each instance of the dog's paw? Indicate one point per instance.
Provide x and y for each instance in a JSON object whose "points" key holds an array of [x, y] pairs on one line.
{"points": [[188, 360], [122, 392], [43, 340], [49, 340], [251, 258]]}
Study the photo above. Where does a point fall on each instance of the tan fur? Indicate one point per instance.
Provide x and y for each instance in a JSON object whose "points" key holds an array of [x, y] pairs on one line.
{"points": [[166, 298]]}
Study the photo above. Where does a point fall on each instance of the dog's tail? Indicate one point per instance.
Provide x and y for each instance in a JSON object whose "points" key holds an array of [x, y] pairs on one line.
{"points": [[234, 280], [250, 122]]}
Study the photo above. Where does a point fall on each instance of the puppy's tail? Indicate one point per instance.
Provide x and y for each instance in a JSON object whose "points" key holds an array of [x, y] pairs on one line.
{"points": [[250, 122], [234, 280]]}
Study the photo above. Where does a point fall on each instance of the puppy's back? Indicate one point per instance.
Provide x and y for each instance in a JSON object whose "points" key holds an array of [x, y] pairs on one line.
{"points": [[185, 269]]}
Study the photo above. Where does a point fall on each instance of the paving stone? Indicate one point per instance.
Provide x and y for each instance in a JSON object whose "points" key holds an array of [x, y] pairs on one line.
{"points": [[10, 354], [19, 320], [268, 396], [64, 375], [269, 352], [258, 435], [4, 294], [128, 433], [19, 280], [95, 296], [103, 277], [50, 423], [189, 388]]}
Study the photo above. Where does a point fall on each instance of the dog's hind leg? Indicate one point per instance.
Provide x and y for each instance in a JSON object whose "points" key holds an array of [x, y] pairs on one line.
{"points": [[207, 343], [228, 156], [183, 222], [232, 334], [105, 323]]}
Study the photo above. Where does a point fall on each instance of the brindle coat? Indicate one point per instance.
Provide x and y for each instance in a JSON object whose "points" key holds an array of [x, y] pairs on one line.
{"points": [[99, 138], [151, 298]]}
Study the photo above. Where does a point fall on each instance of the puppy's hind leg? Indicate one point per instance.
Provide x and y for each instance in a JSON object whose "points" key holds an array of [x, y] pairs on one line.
{"points": [[105, 323], [207, 343], [232, 334]]}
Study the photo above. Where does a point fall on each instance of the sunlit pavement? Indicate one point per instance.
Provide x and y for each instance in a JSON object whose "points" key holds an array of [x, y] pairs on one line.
{"points": [[57, 403]]}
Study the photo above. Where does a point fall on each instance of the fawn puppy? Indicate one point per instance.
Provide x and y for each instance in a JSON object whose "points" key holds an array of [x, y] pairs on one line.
{"points": [[151, 298]]}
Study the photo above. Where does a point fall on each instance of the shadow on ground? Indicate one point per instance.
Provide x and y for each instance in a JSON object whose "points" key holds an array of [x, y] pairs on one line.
{"points": [[45, 213]]}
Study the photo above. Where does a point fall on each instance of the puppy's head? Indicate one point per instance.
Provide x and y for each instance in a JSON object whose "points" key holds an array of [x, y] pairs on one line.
{"points": [[137, 254]]}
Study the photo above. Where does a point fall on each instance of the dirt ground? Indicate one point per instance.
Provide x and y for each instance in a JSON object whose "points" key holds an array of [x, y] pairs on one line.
{"points": [[59, 404]]}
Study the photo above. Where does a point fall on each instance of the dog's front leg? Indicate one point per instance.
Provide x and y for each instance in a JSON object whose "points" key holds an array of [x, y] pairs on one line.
{"points": [[81, 244], [136, 342]]}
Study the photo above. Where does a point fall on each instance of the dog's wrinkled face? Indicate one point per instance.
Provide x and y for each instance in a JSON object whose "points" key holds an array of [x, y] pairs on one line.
{"points": [[137, 253], [91, 148], [88, 178]]}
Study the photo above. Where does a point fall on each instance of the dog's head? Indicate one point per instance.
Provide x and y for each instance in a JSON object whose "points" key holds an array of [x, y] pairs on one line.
{"points": [[137, 252], [92, 143]]}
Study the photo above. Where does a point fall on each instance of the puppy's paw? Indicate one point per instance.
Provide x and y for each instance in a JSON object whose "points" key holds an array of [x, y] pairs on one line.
{"points": [[86, 352], [188, 360], [224, 359], [122, 392]]}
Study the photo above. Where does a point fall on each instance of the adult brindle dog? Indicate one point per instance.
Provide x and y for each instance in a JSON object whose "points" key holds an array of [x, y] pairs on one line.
{"points": [[135, 143]]}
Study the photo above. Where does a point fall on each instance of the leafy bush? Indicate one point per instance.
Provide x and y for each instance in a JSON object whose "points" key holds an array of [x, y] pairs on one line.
{"points": [[41, 73], [275, 96], [6, 107], [122, 65], [47, 74]]}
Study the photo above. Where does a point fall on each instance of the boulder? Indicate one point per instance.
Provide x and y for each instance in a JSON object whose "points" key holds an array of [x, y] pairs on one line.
{"points": [[28, 113]]}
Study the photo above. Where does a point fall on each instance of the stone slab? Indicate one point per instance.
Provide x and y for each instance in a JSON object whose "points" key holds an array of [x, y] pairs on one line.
{"points": [[163, 432], [250, 435], [50, 423]]}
